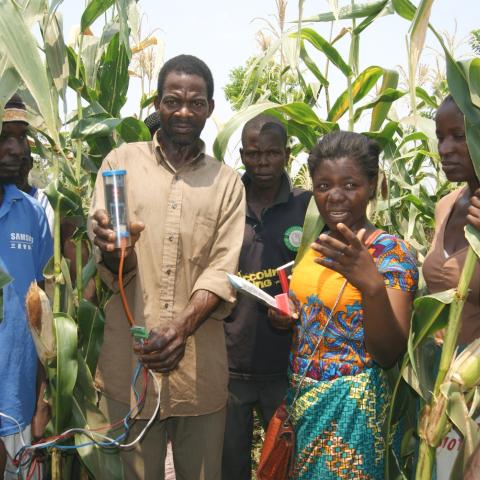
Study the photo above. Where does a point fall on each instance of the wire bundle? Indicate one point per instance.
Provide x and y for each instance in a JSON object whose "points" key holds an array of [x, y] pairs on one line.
{"points": [[96, 438], [26, 454]]}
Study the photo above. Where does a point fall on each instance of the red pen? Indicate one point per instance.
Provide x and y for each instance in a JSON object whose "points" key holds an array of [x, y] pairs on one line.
{"points": [[282, 298], [282, 276]]}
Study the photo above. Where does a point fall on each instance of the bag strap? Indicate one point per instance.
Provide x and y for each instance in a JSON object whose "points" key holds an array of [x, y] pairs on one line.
{"points": [[373, 236], [317, 345]]}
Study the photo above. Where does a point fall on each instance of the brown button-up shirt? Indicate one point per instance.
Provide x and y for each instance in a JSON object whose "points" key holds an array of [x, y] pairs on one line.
{"points": [[194, 219]]}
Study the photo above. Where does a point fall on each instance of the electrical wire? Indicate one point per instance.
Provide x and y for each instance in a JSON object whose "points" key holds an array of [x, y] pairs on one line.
{"points": [[31, 470], [20, 430], [96, 438], [108, 441]]}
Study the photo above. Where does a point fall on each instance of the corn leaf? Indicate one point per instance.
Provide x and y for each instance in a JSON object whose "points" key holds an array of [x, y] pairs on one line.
{"points": [[386, 98], [9, 81], [420, 23], [472, 74], [312, 66], [78, 84], [32, 10], [93, 127], [473, 237], [85, 381], [312, 227], [122, 7], [429, 315], [20, 47], [306, 135], [91, 54], [348, 12], [100, 462], [386, 10], [92, 51], [385, 136], [423, 95], [90, 323], [53, 6], [113, 77], [458, 413], [420, 373], [56, 53], [418, 31], [322, 45], [66, 369], [304, 114], [404, 8], [221, 142], [133, 130], [147, 99], [58, 193], [67, 297], [381, 109], [89, 270], [365, 81], [94, 9]]}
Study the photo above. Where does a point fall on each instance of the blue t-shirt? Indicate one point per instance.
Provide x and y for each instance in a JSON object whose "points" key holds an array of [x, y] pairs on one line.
{"points": [[25, 248]]}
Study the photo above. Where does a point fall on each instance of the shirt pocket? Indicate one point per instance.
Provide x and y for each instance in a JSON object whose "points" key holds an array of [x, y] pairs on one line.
{"points": [[202, 240]]}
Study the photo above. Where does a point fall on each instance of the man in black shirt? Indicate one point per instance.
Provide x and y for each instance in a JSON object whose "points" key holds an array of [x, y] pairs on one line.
{"points": [[257, 352]]}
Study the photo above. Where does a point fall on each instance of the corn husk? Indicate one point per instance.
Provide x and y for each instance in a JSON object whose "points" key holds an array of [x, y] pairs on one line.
{"points": [[465, 369], [40, 320]]}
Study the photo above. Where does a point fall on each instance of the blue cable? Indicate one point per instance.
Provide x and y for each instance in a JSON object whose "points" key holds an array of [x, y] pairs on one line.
{"points": [[103, 444]]}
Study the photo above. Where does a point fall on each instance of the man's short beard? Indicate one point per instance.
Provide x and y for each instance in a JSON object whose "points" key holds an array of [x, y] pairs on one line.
{"points": [[184, 142]]}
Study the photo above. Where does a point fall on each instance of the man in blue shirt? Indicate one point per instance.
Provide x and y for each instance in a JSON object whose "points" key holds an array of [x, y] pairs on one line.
{"points": [[25, 248]]}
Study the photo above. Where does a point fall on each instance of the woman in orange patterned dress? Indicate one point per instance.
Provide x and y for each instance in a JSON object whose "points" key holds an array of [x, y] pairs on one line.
{"points": [[352, 294]]}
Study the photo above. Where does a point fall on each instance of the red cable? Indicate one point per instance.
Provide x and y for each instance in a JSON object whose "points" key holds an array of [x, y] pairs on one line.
{"points": [[31, 471], [108, 426], [131, 320]]}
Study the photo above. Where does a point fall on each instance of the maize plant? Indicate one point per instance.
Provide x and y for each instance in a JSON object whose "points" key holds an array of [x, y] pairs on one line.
{"points": [[68, 329], [415, 184]]}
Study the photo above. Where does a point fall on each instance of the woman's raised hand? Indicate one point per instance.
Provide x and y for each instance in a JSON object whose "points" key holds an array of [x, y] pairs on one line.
{"points": [[350, 258], [473, 216]]}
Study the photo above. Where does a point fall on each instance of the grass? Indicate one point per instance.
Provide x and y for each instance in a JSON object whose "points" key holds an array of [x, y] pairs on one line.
{"points": [[256, 443]]}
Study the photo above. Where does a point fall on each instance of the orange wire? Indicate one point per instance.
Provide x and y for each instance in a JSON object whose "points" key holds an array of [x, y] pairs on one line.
{"points": [[120, 283]]}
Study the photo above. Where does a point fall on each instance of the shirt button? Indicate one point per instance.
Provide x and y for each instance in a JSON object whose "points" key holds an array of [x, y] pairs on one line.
{"points": [[168, 272], [174, 206], [166, 305], [170, 238]]}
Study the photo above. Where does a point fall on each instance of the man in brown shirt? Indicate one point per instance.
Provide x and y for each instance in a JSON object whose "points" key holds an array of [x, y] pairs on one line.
{"points": [[187, 219]]}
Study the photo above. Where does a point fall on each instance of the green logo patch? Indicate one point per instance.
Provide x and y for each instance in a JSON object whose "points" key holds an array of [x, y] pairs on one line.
{"points": [[293, 237]]}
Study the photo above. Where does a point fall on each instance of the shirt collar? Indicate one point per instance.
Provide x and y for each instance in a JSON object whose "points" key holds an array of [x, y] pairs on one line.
{"points": [[283, 194], [161, 157], [10, 194]]}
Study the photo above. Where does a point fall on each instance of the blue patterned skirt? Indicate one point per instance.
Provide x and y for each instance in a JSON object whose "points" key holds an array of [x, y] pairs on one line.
{"points": [[338, 425]]}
